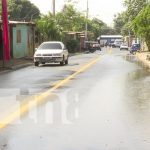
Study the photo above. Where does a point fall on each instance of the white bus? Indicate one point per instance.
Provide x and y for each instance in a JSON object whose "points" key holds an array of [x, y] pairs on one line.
{"points": [[108, 39]]}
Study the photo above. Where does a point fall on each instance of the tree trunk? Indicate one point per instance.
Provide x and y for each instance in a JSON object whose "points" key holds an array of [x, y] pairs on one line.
{"points": [[148, 44]]}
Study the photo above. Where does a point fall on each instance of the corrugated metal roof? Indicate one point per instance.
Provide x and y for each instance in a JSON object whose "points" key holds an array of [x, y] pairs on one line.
{"points": [[20, 22]]}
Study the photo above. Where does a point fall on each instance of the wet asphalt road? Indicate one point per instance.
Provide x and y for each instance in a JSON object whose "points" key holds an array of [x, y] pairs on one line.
{"points": [[107, 107]]}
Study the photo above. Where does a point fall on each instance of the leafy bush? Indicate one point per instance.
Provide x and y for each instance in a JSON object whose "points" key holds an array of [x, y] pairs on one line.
{"points": [[72, 46]]}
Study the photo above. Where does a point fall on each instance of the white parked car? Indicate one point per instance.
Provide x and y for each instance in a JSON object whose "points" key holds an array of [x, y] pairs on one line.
{"points": [[124, 46], [53, 51], [117, 43]]}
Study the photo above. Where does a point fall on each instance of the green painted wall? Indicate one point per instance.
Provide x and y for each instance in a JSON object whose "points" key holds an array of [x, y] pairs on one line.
{"points": [[20, 49]]}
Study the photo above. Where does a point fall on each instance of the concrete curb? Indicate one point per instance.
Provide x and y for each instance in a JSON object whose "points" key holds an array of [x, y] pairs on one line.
{"points": [[20, 66], [16, 67]]}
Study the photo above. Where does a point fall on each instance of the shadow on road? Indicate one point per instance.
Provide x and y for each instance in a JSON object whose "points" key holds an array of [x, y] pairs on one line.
{"points": [[56, 65]]}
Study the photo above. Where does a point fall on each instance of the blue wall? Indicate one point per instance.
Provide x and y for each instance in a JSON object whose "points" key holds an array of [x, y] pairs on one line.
{"points": [[20, 49]]}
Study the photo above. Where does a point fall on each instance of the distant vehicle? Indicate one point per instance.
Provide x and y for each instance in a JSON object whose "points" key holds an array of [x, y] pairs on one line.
{"points": [[97, 46], [117, 43], [104, 40], [124, 46], [106, 44], [111, 43], [134, 48], [92, 46], [52, 51]]}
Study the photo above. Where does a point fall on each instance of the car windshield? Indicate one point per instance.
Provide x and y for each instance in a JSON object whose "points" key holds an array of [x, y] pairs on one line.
{"points": [[50, 46], [136, 45]]}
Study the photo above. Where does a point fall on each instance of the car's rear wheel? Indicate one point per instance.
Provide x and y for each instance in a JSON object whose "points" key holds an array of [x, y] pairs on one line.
{"points": [[36, 63]]}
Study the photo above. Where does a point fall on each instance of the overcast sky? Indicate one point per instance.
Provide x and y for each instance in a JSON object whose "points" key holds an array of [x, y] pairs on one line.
{"points": [[102, 9]]}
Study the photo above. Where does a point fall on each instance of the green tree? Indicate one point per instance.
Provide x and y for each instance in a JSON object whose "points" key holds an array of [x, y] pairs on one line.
{"points": [[133, 8], [48, 28], [122, 20], [119, 22], [94, 27], [141, 25], [22, 10], [70, 19], [106, 30]]}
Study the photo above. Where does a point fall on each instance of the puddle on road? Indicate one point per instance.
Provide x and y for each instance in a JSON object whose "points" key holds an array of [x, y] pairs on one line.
{"points": [[45, 84], [129, 102], [73, 64], [137, 98], [134, 59], [138, 74], [137, 89], [58, 65], [137, 92]]}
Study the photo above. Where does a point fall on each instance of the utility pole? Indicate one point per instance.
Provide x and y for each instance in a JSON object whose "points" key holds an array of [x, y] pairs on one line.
{"points": [[53, 4], [6, 39], [129, 33], [86, 25]]}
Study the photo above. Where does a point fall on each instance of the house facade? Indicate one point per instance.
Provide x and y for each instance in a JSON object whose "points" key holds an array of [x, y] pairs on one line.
{"points": [[70, 35], [22, 36]]}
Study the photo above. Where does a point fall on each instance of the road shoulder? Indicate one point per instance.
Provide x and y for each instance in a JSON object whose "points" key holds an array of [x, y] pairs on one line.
{"points": [[143, 58]]}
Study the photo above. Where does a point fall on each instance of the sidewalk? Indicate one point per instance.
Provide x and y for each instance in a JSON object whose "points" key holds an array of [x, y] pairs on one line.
{"points": [[14, 64], [144, 57]]}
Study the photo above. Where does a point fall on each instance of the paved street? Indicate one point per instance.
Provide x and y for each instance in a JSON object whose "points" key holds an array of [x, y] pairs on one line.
{"points": [[100, 101]]}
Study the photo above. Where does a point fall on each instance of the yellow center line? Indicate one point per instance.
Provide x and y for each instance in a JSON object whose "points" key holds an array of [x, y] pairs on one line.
{"points": [[109, 50], [38, 99]]}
